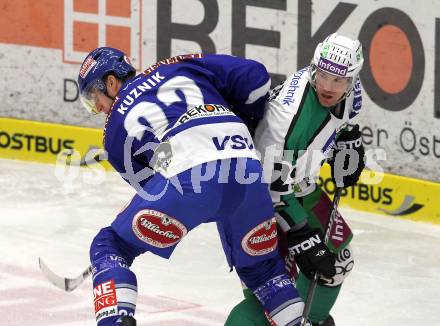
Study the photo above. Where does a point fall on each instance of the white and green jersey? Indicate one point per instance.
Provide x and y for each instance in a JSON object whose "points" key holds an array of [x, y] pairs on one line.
{"points": [[298, 133]]}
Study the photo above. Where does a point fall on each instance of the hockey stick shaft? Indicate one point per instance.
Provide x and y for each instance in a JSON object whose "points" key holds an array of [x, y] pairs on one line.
{"points": [[314, 281], [64, 283]]}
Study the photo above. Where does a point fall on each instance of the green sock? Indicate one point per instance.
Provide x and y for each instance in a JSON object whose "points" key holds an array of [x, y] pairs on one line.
{"points": [[248, 312], [323, 300]]}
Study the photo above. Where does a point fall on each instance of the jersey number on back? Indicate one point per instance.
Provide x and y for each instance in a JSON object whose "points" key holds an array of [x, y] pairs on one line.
{"points": [[153, 113]]}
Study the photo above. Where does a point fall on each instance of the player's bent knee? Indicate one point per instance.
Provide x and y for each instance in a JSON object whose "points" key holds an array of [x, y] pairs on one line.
{"points": [[258, 273], [107, 242], [344, 265]]}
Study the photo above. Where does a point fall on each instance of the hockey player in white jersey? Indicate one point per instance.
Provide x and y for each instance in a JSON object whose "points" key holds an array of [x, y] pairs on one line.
{"points": [[178, 133], [304, 124]]}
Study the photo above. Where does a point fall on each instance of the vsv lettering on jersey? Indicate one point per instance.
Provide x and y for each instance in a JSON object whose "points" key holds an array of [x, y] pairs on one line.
{"points": [[139, 90], [234, 142]]}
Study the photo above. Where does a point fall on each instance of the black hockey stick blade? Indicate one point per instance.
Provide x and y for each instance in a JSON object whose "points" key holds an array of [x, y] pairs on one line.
{"points": [[63, 283]]}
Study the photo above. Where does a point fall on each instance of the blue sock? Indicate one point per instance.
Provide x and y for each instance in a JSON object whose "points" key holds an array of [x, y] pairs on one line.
{"points": [[114, 284]]}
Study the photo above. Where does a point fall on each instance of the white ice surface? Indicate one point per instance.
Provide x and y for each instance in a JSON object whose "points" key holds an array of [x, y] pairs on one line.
{"points": [[395, 282]]}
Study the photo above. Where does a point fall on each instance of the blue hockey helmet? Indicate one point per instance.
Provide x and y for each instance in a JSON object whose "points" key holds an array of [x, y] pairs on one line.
{"points": [[98, 64]]}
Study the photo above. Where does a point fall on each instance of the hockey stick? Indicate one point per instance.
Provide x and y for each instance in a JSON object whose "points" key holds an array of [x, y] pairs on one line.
{"points": [[63, 283], [314, 282]]}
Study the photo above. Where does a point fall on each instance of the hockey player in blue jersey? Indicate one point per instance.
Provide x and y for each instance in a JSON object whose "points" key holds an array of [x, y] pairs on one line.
{"points": [[178, 133]]}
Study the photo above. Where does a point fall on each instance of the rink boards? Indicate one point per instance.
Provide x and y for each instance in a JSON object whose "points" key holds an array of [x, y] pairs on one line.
{"points": [[70, 146], [49, 143]]}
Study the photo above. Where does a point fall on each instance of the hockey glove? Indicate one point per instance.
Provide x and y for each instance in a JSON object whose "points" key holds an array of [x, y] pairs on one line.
{"points": [[311, 254], [348, 158]]}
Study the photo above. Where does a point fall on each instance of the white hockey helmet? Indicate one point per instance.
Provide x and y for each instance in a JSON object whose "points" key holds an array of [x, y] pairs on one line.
{"points": [[338, 55]]}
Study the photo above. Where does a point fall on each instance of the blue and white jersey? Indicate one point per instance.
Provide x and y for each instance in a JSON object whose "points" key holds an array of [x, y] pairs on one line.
{"points": [[188, 105]]}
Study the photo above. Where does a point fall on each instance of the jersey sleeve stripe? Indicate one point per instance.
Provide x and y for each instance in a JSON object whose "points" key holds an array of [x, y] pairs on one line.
{"points": [[258, 93], [328, 142]]}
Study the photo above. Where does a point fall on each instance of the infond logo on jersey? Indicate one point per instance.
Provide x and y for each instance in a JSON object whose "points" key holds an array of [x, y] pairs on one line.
{"points": [[234, 142], [158, 229], [332, 67], [262, 239]]}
